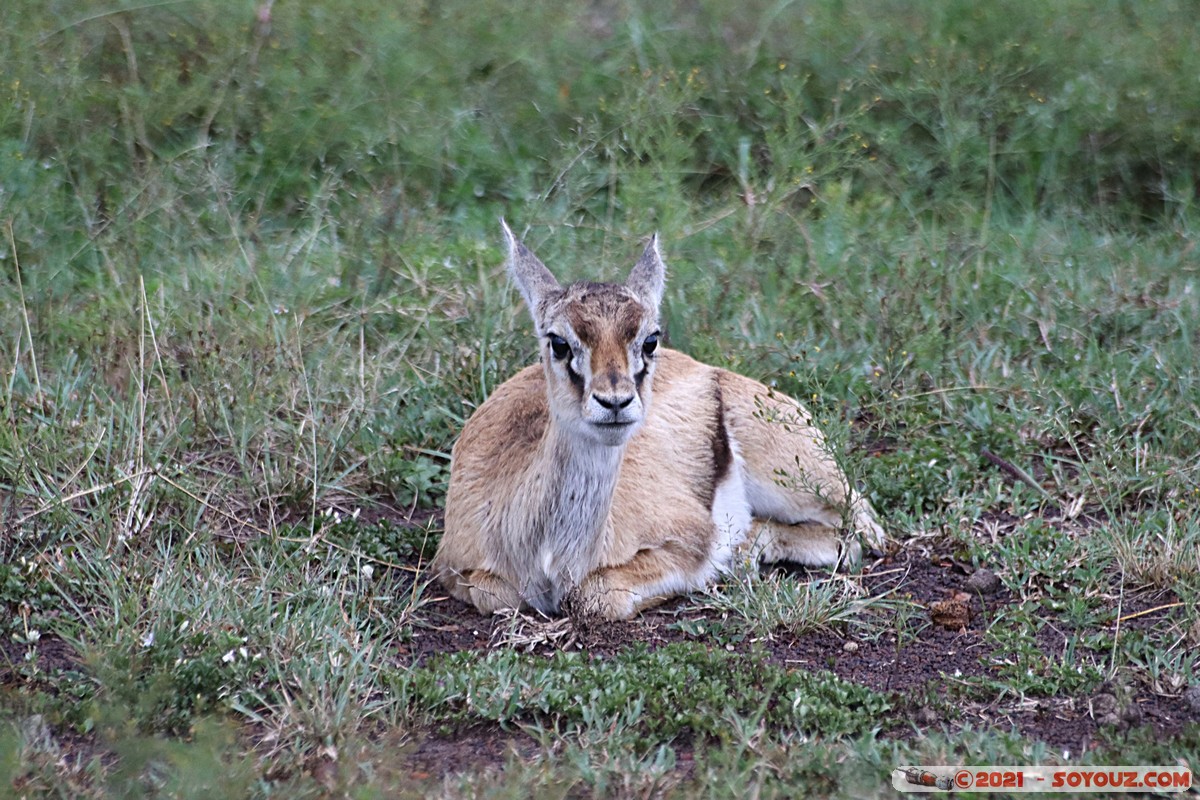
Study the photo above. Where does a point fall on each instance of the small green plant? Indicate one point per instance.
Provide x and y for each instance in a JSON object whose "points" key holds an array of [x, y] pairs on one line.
{"points": [[775, 602], [660, 693], [1160, 549]]}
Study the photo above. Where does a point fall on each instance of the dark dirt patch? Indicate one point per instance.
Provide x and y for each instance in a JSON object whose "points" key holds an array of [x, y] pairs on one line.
{"points": [[479, 747], [51, 654], [377, 511], [927, 652]]}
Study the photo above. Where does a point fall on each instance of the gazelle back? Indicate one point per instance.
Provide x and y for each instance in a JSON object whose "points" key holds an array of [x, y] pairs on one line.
{"points": [[617, 473]]}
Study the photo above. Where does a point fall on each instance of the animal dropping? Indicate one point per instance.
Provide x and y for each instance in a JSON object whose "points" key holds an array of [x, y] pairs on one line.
{"points": [[617, 473]]}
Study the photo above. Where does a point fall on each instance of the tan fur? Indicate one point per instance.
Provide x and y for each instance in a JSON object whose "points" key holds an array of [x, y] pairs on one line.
{"points": [[547, 504]]}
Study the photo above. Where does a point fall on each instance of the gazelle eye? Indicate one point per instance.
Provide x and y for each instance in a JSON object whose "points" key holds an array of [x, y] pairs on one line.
{"points": [[559, 347], [650, 344]]}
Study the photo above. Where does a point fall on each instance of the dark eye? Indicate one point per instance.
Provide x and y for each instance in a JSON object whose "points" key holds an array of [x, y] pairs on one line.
{"points": [[650, 344], [559, 347]]}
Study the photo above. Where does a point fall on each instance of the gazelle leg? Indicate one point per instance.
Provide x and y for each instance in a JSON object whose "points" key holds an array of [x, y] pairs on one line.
{"points": [[808, 543], [485, 590], [651, 576]]}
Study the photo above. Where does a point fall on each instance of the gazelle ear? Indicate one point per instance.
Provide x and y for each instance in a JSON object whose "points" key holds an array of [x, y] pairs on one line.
{"points": [[649, 275], [529, 273]]}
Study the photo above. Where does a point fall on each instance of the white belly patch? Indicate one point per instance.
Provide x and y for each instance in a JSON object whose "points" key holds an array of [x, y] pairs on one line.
{"points": [[730, 512]]}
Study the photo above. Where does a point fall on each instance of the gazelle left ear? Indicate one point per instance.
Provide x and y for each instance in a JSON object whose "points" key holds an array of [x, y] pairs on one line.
{"points": [[649, 275]]}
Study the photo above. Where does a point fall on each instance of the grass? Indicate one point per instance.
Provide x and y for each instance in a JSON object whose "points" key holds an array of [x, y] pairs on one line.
{"points": [[251, 287]]}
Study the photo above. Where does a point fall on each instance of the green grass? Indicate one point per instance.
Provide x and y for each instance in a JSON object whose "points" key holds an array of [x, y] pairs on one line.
{"points": [[251, 284], [644, 697]]}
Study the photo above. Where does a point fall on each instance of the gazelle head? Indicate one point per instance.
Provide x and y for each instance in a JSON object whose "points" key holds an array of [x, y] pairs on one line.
{"points": [[597, 342]]}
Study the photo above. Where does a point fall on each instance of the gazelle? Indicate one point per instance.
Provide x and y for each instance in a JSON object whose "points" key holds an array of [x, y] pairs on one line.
{"points": [[617, 472]]}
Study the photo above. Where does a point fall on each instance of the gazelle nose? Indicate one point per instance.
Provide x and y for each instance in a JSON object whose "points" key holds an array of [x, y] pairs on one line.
{"points": [[613, 402]]}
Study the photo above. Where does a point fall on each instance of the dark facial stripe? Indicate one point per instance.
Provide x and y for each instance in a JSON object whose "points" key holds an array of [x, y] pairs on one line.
{"points": [[576, 378], [641, 373]]}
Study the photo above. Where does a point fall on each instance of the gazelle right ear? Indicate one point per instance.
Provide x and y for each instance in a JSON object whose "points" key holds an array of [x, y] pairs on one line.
{"points": [[529, 273]]}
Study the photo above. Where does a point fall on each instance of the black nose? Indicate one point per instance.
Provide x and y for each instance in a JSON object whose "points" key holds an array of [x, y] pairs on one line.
{"points": [[613, 403]]}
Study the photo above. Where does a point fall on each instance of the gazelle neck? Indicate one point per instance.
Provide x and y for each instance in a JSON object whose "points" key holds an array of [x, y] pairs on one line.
{"points": [[579, 481]]}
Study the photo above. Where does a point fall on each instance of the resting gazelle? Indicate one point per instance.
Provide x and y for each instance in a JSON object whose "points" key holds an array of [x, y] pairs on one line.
{"points": [[617, 472]]}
